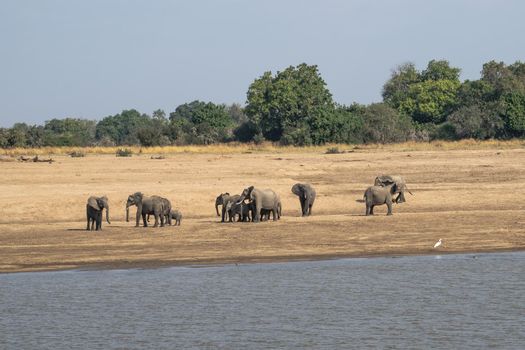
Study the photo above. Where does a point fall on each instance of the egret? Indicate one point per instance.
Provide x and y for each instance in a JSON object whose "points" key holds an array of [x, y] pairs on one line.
{"points": [[438, 243]]}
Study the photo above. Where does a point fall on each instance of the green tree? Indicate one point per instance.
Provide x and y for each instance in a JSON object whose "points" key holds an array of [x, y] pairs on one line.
{"points": [[201, 123], [427, 97], [440, 70], [383, 124], [475, 121], [122, 128], [430, 101], [396, 89], [514, 116], [69, 132], [284, 103], [18, 135]]}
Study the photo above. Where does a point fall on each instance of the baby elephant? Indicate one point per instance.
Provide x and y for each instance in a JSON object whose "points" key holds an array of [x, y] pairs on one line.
{"points": [[240, 209], [176, 215], [378, 195]]}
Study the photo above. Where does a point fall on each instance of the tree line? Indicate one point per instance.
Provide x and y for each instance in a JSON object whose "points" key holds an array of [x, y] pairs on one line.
{"points": [[295, 107]]}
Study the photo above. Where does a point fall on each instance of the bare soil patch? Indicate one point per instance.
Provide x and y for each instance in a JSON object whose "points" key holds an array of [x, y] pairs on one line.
{"points": [[473, 199]]}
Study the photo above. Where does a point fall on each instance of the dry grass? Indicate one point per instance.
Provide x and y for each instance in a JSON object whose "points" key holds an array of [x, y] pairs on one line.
{"points": [[267, 147], [473, 199]]}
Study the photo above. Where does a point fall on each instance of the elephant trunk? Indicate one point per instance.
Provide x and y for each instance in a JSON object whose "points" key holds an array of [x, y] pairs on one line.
{"points": [[217, 209], [127, 213], [107, 215]]}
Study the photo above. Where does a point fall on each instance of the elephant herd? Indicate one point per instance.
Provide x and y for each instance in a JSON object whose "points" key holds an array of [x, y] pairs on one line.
{"points": [[253, 204]]}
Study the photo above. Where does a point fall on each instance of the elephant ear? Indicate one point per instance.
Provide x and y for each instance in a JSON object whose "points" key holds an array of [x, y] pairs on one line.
{"points": [[296, 189], [394, 188], [93, 203]]}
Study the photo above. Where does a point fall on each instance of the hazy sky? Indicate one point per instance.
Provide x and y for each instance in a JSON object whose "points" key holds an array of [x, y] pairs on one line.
{"points": [[90, 59]]}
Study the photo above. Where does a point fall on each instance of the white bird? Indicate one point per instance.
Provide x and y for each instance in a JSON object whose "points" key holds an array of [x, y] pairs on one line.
{"points": [[438, 243]]}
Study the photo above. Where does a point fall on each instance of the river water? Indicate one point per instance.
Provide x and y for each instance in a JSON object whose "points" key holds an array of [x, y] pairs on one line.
{"points": [[440, 302]]}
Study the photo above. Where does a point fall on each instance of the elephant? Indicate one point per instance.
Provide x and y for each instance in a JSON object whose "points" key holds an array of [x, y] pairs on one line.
{"points": [[379, 195], [175, 215], [167, 210], [241, 209], [146, 205], [94, 208], [223, 199], [401, 186], [306, 194], [262, 199]]}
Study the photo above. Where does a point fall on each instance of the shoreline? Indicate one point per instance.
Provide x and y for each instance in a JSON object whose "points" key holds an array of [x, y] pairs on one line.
{"points": [[160, 264]]}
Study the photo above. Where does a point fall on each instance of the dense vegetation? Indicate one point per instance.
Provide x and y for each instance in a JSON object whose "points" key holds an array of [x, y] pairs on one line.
{"points": [[295, 107]]}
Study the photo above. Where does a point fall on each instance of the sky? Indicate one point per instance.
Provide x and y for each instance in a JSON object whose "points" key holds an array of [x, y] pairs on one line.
{"points": [[91, 59]]}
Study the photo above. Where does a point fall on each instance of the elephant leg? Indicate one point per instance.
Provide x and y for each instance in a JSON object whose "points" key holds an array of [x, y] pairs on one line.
{"points": [[389, 205], [274, 213], [256, 214], [161, 220], [301, 199], [87, 217], [138, 215], [372, 209], [99, 221], [144, 220], [156, 220], [367, 210], [223, 213], [147, 218], [310, 209]]}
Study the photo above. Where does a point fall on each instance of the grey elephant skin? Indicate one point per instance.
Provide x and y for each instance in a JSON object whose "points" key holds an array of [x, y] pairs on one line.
{"points": [[153, 205], [223, 200], [262, 199], [242, 210], [400, 188], [306, 194], [166, 209], [378, 195], [94, 208], [175, 215]]}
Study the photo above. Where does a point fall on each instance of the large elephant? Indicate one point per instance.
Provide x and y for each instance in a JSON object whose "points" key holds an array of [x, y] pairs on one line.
{"points": [[223, 199], [306, 194], [167, 209], [400, 188], [378, 195], [262, 199], [146, 205], [94, 208]]}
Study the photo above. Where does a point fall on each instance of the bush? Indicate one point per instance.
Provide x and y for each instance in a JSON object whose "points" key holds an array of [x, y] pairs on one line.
{"points": [[334, 150], [77, 154], [124, 152], [445, 131]]}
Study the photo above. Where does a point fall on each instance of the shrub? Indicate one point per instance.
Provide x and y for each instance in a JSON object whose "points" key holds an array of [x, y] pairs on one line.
{"points": [[124, 152], [334, 150], [77, 154]]}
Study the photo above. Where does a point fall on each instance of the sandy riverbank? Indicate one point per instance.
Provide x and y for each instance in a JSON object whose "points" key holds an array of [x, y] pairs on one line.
{"points": [[473, 199]]}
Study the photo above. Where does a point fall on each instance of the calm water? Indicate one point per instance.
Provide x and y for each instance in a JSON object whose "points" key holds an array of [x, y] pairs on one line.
{"points": [[447, 302]]}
